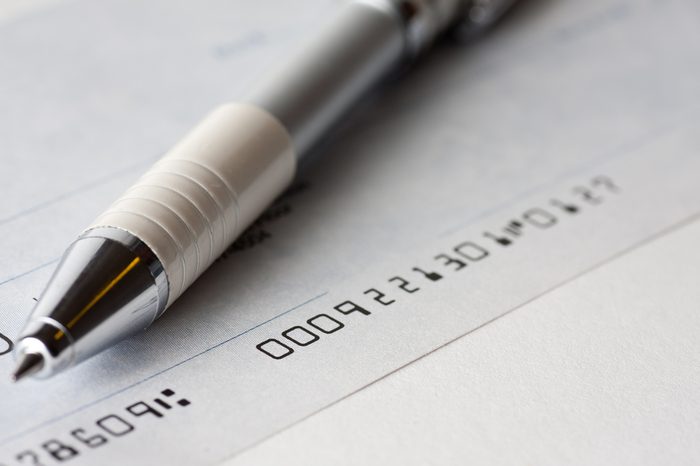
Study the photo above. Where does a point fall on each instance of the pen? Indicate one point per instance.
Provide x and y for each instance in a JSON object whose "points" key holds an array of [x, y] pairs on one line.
{"points": [[152, 243]]}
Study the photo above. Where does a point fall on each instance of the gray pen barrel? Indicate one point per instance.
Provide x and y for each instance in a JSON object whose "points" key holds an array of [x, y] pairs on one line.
{"points": [[316, 88]]}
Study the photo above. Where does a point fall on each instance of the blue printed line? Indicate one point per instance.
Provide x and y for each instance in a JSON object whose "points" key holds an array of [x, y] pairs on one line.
{"points": [[38, 267], [68, 194], [167, 369]]}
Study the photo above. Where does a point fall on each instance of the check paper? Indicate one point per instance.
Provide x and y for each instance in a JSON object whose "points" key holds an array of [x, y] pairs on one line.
{"points": [[492, 175]]}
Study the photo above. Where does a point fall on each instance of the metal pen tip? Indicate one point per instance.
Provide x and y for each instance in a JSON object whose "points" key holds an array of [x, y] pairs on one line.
{"points": [[29, 363]]}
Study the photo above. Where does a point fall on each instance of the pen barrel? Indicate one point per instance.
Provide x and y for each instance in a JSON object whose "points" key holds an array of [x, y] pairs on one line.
{"points": [[192, 204], [366, 42], [317, 86]]}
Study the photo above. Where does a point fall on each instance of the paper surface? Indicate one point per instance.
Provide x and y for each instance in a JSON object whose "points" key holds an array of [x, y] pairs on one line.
{"points": [[530, 174]]}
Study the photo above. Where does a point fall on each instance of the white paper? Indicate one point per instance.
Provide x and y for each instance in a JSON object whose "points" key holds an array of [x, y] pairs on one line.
{"points": [[587, 105]]}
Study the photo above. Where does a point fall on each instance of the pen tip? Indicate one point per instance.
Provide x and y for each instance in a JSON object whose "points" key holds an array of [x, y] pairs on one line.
{"points": [[29, 363]]}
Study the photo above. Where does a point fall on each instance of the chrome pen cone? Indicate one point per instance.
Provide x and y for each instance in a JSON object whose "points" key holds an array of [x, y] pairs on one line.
{"points": [[28, 364]]}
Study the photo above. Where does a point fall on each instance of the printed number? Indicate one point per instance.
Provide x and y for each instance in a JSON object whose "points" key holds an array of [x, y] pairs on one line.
{"points": [[587, 195], [5, 345], [605, 182], [29, 456]]}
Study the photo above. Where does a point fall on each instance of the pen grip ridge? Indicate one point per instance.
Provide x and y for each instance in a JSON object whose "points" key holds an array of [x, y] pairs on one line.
{"points": [[204, 192]]}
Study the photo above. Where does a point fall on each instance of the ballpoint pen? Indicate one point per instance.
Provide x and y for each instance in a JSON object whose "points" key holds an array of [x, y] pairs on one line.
{"points": [[152, 243]]}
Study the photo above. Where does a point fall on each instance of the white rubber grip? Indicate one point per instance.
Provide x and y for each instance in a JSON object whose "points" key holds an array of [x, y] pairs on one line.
{"points": [[191, 205]]}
